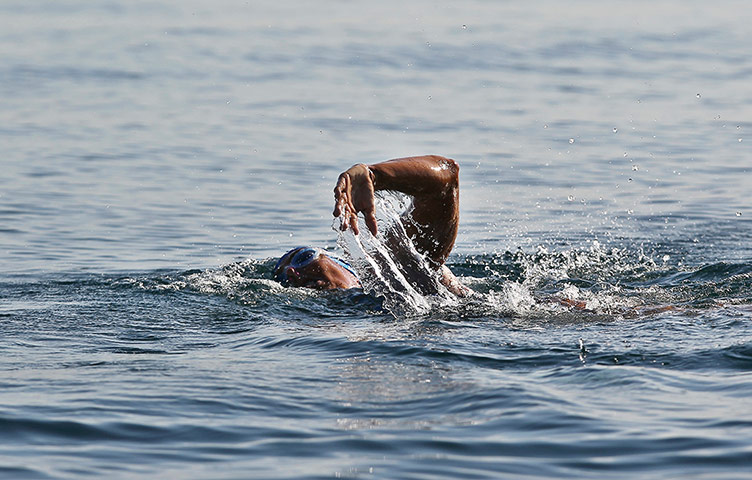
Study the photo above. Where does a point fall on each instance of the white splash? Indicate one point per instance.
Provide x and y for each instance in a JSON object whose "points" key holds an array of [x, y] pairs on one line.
{"points": [[388, 264]]}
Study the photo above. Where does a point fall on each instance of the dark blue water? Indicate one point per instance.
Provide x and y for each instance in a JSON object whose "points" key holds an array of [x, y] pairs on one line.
{"points": [[157, 158]]}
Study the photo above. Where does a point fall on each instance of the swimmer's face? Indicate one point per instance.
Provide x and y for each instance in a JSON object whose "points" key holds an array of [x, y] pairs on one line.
{"points": [[312, 268]]}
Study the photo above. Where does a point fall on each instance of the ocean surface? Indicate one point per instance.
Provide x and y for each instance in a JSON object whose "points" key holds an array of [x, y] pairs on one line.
{"points": [[157, 158]]}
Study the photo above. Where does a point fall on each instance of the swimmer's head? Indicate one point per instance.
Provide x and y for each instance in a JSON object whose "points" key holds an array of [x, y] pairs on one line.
{"points": [[314, 268]]}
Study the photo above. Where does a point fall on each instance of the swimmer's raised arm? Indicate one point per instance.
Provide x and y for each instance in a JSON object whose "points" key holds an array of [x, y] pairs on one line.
{"points": [[417, 176], [433, 181]]}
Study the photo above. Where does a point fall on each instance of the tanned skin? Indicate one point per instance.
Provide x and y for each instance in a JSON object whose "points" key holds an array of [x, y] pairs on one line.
{"points": [[432, 181]]}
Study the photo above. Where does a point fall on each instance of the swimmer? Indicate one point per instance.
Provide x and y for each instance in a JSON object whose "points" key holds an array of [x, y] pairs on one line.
{"points": [[432, 182], [432, 223]]}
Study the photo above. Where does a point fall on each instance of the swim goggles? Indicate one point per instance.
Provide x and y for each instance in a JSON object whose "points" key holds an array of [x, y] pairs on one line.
{"points": [[304, 256]]}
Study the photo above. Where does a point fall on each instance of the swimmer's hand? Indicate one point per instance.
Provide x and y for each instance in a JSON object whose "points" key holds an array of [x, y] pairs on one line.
{"points": [[354, 193]]}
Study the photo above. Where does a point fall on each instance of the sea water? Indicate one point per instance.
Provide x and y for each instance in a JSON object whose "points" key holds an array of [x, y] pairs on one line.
{"points": [[157, 158]]}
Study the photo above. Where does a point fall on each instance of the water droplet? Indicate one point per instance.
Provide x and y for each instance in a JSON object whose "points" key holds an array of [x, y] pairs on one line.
{"points": [[545, 126], [616, 129], [635, 168], [629, 180], [698, 95], [570, 198], [740, 140], [738, 214], [625, 154], [464, 27], [571, 140]]}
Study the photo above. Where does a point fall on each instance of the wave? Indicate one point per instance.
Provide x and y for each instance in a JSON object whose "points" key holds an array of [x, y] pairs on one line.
{"points": [[594, 283]]}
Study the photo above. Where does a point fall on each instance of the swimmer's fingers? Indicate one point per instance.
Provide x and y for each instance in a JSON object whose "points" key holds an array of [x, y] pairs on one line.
{"points": [[362, 194], [371, 222], [343, 204], [349, 217], [340, 194], [354, 222], [363, 201], [354, 193]]}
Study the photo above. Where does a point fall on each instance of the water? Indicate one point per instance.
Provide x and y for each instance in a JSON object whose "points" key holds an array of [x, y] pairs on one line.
{"points": [[158, 157], [390, 266]]}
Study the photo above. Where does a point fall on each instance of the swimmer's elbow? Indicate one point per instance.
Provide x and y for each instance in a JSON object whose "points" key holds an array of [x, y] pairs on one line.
{"points": [[446, 171], [454, 171]]}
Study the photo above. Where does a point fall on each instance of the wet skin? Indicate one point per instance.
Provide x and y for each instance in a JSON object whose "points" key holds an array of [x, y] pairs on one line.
{"points": [[431, 180], [323, 273]]}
